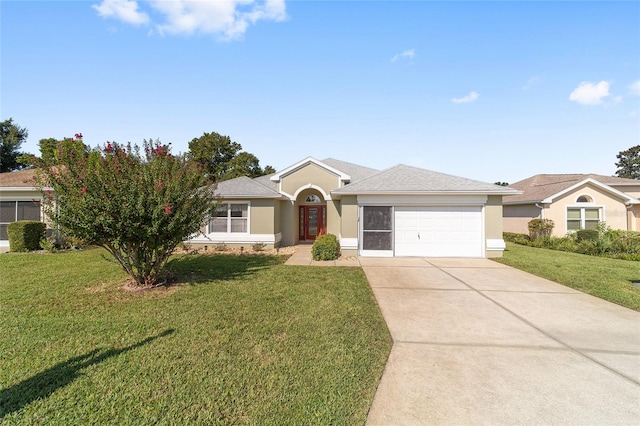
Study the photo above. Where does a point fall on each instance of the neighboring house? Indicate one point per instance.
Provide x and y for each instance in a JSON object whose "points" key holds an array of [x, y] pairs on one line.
{"points": [[400, 211], [20, 199], [573, 202]]}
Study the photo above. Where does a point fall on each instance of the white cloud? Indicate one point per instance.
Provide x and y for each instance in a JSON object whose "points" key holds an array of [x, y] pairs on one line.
{"points": [[588, 93], [532, 82], [635, 88], [409, 54], [471, 97], [124, 10], [227, 18]]}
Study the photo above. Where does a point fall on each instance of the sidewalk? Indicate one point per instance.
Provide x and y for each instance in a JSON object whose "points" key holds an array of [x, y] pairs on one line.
{"points": [[302, 256]]}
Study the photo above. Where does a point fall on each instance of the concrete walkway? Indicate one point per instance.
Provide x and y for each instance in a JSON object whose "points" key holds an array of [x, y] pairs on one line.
{"points": [[302, 256], [476, 342]]}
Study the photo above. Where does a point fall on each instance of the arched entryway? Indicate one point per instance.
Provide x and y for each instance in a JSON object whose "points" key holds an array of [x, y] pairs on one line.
{"points": [[312, 215]]}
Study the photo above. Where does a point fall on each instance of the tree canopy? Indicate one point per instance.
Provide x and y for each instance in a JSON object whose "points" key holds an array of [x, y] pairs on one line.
{"points": [[138, 206], [629, 163], [224, 159], [12, 137]]}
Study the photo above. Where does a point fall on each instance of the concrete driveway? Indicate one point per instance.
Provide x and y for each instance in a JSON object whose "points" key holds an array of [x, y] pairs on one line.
{"points": [[477, 342]]}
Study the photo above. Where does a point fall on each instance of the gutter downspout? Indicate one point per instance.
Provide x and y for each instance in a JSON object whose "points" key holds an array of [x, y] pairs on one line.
{"points": [[541, 210]]}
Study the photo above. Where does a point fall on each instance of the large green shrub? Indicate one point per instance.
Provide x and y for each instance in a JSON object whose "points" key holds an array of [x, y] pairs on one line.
{"points": [[25, 235], [587, 235], [539, 228], [138, 206], [325, 247]]}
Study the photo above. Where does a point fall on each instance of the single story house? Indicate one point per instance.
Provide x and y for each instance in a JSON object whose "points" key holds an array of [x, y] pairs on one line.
{"points": [[20, 199], [400, 211], [573, 202]]}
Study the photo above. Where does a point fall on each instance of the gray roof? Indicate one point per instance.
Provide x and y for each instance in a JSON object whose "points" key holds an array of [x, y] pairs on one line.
{"points": [[354, 170], [539, 187], [244, 187], [412, 180]]}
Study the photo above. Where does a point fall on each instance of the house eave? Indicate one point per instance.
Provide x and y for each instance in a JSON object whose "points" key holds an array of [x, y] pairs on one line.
{"points": [[338, 195]]}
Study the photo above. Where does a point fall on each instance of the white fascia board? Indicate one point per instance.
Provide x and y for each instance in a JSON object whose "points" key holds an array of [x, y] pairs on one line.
{"points": [[23, 188], [309, 160], [422, 199], [606, 188]]}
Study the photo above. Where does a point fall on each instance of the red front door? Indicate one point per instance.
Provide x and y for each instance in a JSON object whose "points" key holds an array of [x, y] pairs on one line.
{"points": [[312, 222]]}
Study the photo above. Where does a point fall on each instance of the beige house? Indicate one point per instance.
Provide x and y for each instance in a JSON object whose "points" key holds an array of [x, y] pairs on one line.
{"points": [[573, 202], [400, 211]]}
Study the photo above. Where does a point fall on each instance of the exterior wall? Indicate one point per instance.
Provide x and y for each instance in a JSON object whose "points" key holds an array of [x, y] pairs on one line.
{"points": [[261, 217], [631, 190], [349, 215], [333, 217], [633, 218], [309, 174], [614, 209], [288, 223], [493, 227], [276, 216], [516, 218]]}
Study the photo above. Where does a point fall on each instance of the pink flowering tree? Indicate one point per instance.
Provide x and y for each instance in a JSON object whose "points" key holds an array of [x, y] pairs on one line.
{"points": [[138, 205]]}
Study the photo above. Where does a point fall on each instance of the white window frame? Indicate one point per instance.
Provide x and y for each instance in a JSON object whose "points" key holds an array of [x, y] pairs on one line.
{"points": [[228, 204], [582, 207]]}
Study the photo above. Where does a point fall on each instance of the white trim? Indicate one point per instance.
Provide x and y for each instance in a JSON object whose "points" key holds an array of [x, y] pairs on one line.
{"points": [[629, 199], [495, 244], [24, 188], [236, 238], [349, 243], [309, 160], [422, 200], [4, 243]]}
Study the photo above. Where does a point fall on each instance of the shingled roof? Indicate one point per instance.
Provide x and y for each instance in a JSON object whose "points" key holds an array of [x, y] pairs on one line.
{"points": [[539, 187], [19, 179], [414, 180], [244, 187]]}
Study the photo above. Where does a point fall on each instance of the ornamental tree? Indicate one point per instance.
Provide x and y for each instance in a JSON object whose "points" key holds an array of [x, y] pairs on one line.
{"points": [[137, 205]]}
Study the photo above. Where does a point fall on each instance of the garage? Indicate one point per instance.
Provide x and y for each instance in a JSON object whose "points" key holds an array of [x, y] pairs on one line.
{"points": [[452, 231]]}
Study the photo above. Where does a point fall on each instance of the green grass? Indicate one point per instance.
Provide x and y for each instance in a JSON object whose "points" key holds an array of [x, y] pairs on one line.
{"points": [[239, 340], [608, 279]]}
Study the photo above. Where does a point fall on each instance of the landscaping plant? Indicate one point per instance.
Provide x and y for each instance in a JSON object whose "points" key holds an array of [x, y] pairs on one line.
{"points": [[137, 205], [325, 247]]}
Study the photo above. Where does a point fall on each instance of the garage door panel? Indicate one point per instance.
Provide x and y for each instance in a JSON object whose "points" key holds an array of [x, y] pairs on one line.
{"points": [[438, 231]]}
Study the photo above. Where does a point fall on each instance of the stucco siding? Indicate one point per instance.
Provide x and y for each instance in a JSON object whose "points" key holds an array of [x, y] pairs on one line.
{"points": [[516, 218], [261, 219], [333, 217], [288, 221], [309, 174], [493, 217], [349, 214]]}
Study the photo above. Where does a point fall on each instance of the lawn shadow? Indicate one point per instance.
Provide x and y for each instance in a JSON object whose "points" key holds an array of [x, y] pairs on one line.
{"points": [[198, 268], [45, 383]]}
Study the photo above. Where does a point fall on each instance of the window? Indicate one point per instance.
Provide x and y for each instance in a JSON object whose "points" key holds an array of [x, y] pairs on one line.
{"points": [[312, 199], [230, 218], [582, 218], [11, 211], [584, 199], [377, 228]]}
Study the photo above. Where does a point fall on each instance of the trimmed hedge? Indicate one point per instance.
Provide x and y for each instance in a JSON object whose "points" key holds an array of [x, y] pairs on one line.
{"points": [[587, 235], [325, 247], [25, 235]]}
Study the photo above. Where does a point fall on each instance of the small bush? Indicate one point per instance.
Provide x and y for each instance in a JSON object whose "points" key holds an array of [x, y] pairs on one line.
{"points": [[258, 246], [25, 235], [220, 247], [325, 247], [540, 228], [587, 234]]}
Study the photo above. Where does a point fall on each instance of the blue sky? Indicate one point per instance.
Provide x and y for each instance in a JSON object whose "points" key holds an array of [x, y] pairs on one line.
{"points": [[493, 91]]}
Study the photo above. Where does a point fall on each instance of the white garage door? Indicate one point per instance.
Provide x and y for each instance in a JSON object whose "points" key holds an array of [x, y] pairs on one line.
{"points": [[438, 231]]}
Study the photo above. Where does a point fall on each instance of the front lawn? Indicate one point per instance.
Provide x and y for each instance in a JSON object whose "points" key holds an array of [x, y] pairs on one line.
{"points": [[608, 279], [241, 339]]}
